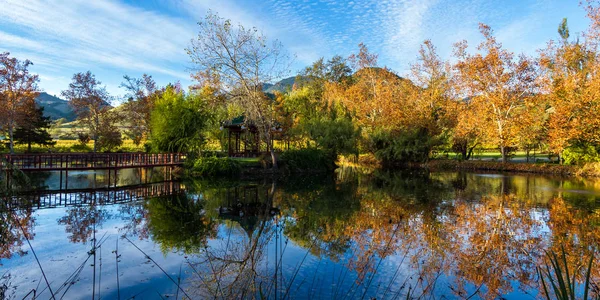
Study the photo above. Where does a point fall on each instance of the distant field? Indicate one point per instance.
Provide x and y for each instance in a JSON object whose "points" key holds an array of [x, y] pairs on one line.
{"points": [[127, 143], [69, 130], [495, 155], [67, 146]]}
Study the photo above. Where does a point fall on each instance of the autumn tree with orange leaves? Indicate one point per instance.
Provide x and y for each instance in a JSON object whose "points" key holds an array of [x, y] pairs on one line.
{"points": [[90, 100], [571, 81], [18, 89], [402, 120], [499, 85]]}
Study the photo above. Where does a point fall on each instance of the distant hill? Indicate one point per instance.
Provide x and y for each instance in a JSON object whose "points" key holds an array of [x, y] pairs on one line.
{"points": [[283, 85], [54, 107], [378, 72]]}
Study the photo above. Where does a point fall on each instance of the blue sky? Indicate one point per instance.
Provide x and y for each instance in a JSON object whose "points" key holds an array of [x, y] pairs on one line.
{"points": [[114, 38]]}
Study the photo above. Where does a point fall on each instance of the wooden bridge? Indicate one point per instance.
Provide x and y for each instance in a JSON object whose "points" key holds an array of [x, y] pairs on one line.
{"points": [[89, 161]]}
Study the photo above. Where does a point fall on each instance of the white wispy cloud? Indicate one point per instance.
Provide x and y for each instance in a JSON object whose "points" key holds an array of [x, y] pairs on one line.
{"points": [[63, 37], [81, 35]]}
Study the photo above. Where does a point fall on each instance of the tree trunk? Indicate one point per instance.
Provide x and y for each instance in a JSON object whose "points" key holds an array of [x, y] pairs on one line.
{"points": [[463, 152], [95, 143], [273, 157], [29, 146], [11, 140], [503, 153], [470, 153]]}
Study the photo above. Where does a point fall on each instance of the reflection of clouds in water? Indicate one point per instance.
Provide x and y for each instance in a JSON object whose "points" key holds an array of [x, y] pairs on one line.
{"points": [[487, 230], [491, 175], [60, 259], [96, 178]]}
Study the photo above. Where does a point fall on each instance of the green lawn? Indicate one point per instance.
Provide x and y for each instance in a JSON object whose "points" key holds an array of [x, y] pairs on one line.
{"points": [[495, 155], [248, 161]]}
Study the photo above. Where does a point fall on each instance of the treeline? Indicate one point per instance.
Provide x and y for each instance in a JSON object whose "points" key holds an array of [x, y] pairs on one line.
{"points": [[486, 97]]}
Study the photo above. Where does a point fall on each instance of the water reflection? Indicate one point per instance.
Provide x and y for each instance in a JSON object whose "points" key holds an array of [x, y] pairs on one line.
{"points": [[383, 235], [15, 227], [178, 223]]}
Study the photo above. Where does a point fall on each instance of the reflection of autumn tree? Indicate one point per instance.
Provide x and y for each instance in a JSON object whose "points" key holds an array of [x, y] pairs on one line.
{"points": [[380, 216], [133, 215], [399, 216], [81, 221], [178, 223], [375, 231], [467, 234], [484, 233], [577, 229], [499, 240], [15, 226]]}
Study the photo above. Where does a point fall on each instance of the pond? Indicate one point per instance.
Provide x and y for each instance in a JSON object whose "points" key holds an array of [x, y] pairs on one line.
{"points": [[348, 235]]}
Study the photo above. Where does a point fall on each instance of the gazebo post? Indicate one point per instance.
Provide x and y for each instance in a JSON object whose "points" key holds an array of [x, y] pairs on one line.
{"points": [[257, 142], [237, 142], [246, 143], [229, 150]]}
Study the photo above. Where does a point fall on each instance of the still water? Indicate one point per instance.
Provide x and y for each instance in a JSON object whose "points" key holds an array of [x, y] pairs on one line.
{"points": [[350, 235]]}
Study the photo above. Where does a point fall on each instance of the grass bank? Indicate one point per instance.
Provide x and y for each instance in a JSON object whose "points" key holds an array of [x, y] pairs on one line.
{"points": [[308, 160], [588, 170]]}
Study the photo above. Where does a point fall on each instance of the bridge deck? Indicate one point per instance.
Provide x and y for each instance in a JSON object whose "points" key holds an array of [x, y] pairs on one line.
{"points": [[89, 161]]}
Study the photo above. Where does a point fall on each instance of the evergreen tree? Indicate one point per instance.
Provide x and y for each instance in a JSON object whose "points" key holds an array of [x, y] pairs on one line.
{"points": [[33, 129]]}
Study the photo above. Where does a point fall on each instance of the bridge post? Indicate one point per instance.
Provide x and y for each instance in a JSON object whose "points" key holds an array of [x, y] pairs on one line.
{"points": [[67, 162]]}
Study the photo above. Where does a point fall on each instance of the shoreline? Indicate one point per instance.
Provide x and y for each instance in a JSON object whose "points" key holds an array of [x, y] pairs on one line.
{"points": [[590, 170]]}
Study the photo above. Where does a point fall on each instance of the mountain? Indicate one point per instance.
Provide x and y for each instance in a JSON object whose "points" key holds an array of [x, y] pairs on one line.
{"points": [[54, 107], [283, 85]]}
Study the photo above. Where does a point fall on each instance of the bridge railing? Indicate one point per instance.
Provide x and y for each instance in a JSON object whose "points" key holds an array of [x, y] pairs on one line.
{"points": [[89, 161]]}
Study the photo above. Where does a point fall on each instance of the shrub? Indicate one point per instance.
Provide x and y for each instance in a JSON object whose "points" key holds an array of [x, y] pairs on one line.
{"points": [[581, 153], [83, 138], [211, 166], [308, 159], [590, 170], [80, 148], [337, 135], [109, 141], [402, 146], [66, 136], [213, 153]]}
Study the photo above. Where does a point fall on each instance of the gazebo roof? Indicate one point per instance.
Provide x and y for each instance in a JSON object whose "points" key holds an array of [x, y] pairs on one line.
{"points": [[238, 121], [235, 122]]}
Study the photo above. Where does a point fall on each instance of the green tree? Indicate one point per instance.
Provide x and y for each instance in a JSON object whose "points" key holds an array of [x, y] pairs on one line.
{"points": [[35, 129], [141, 95], [317, 119], [177, 121], [335, 134]]}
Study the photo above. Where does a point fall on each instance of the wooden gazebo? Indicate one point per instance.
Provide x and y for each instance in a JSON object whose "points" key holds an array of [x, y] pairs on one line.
{"points": [[242, 139]]}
